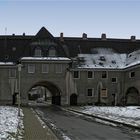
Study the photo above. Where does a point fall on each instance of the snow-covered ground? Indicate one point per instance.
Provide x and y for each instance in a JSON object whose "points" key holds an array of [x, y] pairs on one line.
{"points": [[129, 115], [11, 126]]}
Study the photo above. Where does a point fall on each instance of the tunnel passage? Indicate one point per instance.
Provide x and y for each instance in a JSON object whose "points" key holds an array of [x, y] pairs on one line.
{"points": [[45, 91]]}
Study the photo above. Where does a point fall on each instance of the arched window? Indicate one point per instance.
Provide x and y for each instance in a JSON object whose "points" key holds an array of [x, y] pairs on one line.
{"points": [[52, 51], [37, 52]]}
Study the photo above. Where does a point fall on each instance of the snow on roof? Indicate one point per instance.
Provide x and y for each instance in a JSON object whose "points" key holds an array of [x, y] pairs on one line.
{"points": [[6, 63], [46, 58], [109, 59]]}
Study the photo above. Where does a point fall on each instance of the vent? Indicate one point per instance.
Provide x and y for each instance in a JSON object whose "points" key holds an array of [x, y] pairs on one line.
{"points": [[102, 58], [113, 62]]}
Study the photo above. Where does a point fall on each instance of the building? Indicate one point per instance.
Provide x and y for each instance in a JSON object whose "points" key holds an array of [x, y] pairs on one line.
{"points": [[75, 71]]}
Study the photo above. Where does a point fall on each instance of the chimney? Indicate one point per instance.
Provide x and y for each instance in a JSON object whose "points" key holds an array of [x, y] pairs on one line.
{"points": [[23, 34], [84, 36], [103, 36], [61, 37], [133, 38]]}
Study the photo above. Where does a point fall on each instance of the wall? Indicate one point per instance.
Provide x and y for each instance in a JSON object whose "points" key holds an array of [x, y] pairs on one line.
{"points": [[29, 79]]}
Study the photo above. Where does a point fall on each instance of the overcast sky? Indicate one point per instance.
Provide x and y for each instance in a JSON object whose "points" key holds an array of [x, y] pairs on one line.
{"points": [[116, 18]]}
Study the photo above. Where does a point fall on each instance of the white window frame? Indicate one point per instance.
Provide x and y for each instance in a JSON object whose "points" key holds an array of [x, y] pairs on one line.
{"points": [[31, 70], [78, 74], [92, 92], [56, 68], [46, 69], [10, 73], [92, 74]]}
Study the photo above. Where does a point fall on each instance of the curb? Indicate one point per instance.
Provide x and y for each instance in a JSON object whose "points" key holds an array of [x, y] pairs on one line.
{"points": [[44, 125], [105, 119], [54, 130]]}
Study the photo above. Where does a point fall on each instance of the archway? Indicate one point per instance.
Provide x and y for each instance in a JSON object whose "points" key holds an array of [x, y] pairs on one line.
{"points": [[45, 91], [73, 99], [132, 96]]}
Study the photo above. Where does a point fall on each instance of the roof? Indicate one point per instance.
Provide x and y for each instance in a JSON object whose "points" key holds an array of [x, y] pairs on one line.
{"points": [[85, 46], [13, 47], [45, 59], [108, 59], [43, 34]]}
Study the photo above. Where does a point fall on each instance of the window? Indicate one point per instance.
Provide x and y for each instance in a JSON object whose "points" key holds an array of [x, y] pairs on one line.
{"points": [[76, 74], [90, 92], [38, 52], [131, 74], [104, 74], [12, 73], [58, 68], [45, 68], [31, 68], [104, 92], [52, 51], [90, 74], [114, 80]]}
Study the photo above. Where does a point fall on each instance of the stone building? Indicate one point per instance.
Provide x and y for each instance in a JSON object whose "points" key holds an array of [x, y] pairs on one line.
{"points": [[76, 71]]}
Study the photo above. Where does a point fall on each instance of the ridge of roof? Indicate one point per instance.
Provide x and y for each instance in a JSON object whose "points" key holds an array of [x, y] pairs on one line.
{"points": [[97, 39]]}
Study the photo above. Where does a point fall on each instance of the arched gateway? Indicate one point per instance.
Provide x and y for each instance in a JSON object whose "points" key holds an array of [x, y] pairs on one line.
{"points": [[132, 96], [54, 91]]}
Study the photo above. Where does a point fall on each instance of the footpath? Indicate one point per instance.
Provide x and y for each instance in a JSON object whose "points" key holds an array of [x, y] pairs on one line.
{"points": [[33, 129]]}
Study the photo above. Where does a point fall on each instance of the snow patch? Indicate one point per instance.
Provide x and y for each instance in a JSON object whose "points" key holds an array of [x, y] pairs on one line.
{"points": [[11, 125], [129, 115], [46, 58]]}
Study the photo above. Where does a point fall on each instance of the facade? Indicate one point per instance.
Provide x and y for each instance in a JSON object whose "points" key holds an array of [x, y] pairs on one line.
{"points": [[75, 71]]}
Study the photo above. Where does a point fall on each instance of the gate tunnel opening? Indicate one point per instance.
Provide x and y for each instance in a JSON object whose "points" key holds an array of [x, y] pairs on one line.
{"points": [[45, 92], [132, 96]]}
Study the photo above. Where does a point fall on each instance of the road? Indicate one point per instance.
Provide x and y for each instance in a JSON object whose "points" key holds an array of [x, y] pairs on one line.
{"points": [[78, 128]]}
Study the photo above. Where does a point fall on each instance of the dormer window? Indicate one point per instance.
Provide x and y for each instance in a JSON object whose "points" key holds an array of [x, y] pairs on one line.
{"points": [[38, 52], [52, 51]]}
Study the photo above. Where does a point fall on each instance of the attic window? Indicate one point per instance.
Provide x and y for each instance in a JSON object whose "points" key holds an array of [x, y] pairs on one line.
{"points": [[100, 63], [38, 52], [52, 51], [81, 59], [113, 62], [102, 58]]}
